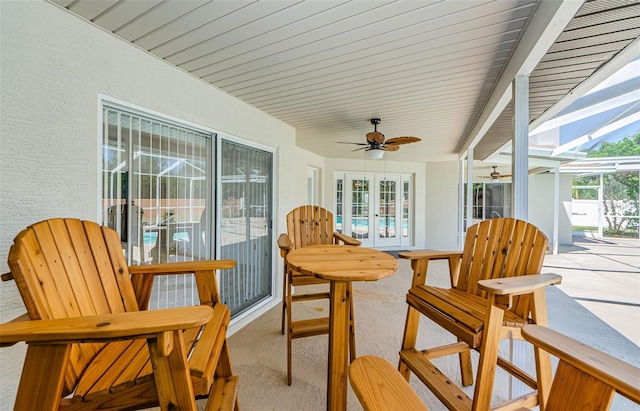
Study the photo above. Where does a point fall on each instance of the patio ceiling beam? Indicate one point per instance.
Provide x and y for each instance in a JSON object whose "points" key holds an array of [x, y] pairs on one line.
{"points": [[548, 22]]}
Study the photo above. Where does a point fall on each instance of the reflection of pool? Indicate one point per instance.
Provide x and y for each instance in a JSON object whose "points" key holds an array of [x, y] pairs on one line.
{"points": [[151, 237], [364, 223]]}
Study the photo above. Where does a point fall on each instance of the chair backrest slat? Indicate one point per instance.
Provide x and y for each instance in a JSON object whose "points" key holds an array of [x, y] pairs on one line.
{"points": [[499, 248], [310, 225], [26, 260], [87, 265], [68, 251], [62, 301]]}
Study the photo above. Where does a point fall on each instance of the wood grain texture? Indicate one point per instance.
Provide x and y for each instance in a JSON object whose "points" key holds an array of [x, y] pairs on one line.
{"points": [[343, 263], [380, 387]]}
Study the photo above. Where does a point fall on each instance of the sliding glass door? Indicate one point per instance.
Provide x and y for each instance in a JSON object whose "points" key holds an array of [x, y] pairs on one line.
{"points": [[245, 223], [172, 197]]}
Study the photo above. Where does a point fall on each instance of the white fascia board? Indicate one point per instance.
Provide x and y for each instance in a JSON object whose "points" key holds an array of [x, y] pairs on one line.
{"points": [[548, 22], [609, 160], [534, 161]]}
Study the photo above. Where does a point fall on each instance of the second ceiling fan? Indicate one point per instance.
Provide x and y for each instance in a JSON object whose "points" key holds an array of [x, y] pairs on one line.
{"points": [[376, 144], [495, 175]]}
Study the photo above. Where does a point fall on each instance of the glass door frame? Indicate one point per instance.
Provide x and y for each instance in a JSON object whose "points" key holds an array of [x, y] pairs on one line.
{"points": [[220, 138]]}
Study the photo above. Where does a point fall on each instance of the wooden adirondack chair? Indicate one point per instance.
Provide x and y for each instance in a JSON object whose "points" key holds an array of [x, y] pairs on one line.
{"points": [[586, 379], [496, 289], [92, 345], [307, 226]]}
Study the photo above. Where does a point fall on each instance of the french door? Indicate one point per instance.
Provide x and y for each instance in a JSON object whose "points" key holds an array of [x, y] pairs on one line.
{"points": [[376, 209]]}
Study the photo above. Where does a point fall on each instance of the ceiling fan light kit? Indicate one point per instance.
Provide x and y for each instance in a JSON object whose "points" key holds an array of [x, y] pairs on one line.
{"points": [[375, 153], [376, 145]]}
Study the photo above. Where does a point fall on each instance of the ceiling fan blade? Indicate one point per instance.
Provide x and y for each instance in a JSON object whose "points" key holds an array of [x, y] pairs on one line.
{"points": [[402, 140], [361, 148], [345, 142], [375, 136], [391, 147], [504, 175]]}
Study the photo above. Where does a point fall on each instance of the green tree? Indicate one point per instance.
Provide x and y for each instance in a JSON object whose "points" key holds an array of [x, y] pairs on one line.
{"points": [[620, 188]]}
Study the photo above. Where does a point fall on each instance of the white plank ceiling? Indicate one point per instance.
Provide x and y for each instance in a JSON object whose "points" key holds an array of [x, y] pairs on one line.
{"points": [[426, 68]]}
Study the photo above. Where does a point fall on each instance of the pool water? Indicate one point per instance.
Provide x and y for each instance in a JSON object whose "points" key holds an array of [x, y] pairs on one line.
{"points": [[150, 238]]}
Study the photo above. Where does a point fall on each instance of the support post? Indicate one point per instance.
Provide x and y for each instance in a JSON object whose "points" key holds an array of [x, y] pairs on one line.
{"points": [[556, 208], [461, 211], [469, 187], [520, 153], [600, 207]]}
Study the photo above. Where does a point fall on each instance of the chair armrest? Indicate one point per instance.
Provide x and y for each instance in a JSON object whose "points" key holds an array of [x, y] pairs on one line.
{"points": [[345, 239], [623, 377], [23, 317], [519, 285], [105, 327], [181, 267], [284, 243], [420, 261], [429, 255]]}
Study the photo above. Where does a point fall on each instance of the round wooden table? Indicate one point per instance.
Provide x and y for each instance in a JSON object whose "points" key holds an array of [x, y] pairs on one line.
{"points": [[340, 264]]}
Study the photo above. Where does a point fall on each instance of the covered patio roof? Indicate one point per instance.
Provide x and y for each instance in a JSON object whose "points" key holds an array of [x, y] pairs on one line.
{"points": [[441, 71], [607, 113]]}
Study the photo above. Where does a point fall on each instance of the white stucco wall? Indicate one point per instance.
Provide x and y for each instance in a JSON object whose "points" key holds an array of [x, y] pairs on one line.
{"points": [[541, 197], [53, 66], [300, 164], [441, 205]]}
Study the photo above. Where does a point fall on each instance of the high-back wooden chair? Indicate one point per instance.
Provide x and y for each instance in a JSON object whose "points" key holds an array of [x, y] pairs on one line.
{"points": [[496, 289], [307, 226], [92, 345], [586, 379]]}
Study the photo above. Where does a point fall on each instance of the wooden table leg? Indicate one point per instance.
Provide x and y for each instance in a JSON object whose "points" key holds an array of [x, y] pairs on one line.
{"points": [[338, 346]]}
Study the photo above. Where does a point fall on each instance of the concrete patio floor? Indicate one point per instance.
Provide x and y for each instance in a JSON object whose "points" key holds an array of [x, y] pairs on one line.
{"points": [[603, 275]]}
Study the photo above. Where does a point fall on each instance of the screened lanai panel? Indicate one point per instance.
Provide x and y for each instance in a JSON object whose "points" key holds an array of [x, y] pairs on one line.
{"points": [[245, 224]]}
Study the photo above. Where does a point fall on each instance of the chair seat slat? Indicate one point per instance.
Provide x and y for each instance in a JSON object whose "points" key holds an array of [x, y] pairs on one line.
{"points": [[96, 375]]}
